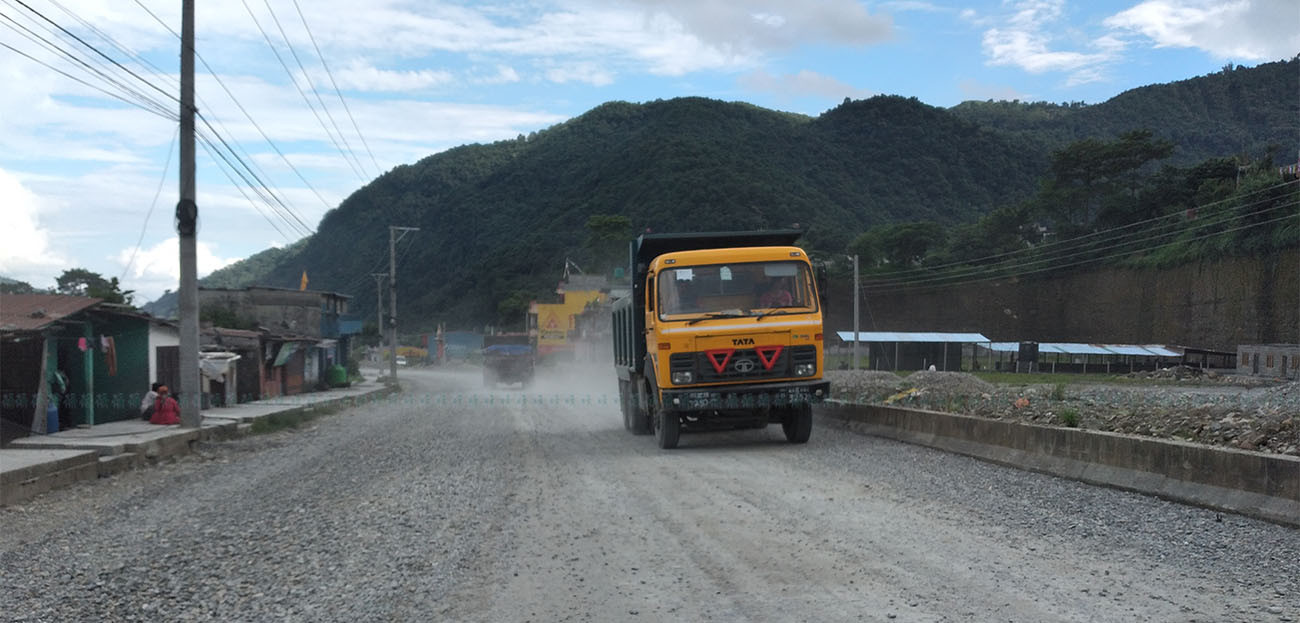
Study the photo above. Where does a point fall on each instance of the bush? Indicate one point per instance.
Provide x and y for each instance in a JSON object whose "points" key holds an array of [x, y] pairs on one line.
{"points": [[1070, 418]]}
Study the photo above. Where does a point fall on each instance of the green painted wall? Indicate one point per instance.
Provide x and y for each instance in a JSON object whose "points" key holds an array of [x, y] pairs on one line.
{"points": [[117, 397]]}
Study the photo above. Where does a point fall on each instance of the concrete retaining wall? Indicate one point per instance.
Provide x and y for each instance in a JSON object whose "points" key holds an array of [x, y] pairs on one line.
{"points": [[1266, 486]]}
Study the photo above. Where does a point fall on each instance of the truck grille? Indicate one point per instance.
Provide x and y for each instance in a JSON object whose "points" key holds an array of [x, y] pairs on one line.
{"points": [[743, 364]]}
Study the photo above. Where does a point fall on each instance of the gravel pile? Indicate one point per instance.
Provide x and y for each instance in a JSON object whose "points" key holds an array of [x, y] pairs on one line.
{"points": [[1200, 376], [1226, 413]]}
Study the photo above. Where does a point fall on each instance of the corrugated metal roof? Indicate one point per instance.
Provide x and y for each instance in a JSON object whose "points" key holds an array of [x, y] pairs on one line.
{"points": [[32, 312], [897, 336], [1162, 351], [1127, 349], [1071, 348]]}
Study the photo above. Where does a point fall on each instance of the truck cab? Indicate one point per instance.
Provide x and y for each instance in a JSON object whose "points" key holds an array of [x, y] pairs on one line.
{"points": [[722, 330]]}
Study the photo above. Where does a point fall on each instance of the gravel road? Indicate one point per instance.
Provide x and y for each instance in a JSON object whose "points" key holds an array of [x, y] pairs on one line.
{"points": [[457, 504]]}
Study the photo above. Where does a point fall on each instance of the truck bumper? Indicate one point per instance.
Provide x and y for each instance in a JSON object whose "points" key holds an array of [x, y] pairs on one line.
{"points": [[756, 396]]}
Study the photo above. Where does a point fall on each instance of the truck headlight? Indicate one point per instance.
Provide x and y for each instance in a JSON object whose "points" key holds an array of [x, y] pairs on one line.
{"points": [[805, 369], [682, 378]]}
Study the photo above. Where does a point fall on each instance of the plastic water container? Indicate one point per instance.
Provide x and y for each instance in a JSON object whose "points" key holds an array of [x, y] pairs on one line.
{"points": [[336, 376], [51, 418]]}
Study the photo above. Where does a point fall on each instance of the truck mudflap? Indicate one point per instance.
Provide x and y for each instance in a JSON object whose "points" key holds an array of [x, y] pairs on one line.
{"points": [[756, 396]]}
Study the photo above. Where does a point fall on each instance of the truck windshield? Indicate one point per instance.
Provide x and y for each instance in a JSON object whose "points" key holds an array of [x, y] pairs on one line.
{"points": [[731, 290]]}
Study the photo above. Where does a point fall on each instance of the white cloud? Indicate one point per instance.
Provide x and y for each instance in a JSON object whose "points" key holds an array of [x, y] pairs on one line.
{"points": [[359, 76], [157, 268], [804, 83], [1239, 29], [589, 73], [505, 74], [25, 251], [1025, 40]]}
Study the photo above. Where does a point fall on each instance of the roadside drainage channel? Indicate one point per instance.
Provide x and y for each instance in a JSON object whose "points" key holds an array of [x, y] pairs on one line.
{"points": [[1255, 484]]}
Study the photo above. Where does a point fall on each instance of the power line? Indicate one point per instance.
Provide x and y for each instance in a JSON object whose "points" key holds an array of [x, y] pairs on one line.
{"points": [[282, 208], [307, 78], [238, 104], [97, 51], [306, 99], [1096, 259], [139, 98], [155, 70], [215, 154], [69, 76], [1073, 243], [157, 193], [337, 91], [900, 275], [958, 275]]}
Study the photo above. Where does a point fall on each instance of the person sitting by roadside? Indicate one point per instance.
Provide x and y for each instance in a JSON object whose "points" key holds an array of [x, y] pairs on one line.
{"points": [[776, 295], [165, 410], [147, 403]]}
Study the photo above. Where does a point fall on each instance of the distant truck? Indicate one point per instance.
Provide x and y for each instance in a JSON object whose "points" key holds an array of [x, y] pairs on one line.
{"points": [[722, 330], [507, 358]]}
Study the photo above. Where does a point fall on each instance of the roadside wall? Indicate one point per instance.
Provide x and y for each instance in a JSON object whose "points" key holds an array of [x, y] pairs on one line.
{"points": [[1257, 484], [1212, 304]]}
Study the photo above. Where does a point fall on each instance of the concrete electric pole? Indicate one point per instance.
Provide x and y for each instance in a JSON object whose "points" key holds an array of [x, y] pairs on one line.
{"points": [[857, 294], [379, 304], [187, 215], [393, 237]]}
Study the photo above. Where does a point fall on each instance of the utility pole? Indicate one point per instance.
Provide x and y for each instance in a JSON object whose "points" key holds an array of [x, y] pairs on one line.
{"points": [[393, 237], [187, 215], [857, 293], [379, 305]]}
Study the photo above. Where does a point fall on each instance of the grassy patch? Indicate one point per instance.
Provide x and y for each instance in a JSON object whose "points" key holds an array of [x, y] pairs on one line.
{"points": [[291, 419], [1070, 418], [1058, 392]]}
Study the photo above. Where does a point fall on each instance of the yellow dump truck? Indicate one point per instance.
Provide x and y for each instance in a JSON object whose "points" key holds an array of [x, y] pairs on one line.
{"points": [[721, 331]]}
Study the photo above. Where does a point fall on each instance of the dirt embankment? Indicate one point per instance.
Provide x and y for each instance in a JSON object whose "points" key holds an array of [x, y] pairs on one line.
{"points": [[1218, 411]]}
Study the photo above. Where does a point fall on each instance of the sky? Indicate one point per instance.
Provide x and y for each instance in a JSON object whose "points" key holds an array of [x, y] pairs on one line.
{"points": [[319, 97]]}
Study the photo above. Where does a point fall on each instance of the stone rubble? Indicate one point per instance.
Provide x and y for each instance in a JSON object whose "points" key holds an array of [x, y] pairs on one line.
{"points": [[1250, 413]]}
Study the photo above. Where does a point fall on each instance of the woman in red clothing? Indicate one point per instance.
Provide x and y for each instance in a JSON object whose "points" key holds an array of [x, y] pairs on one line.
{"points": [[165, 409]]}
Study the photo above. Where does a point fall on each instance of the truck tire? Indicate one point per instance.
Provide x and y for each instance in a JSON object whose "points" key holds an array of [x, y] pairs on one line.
{"points": [[667, 428], [641, 422], [625, 405], [797, 423]]}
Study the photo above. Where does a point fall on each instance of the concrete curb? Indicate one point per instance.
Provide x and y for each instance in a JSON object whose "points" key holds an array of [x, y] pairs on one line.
{"points": [[38, 464], [1255, 484], [43, 470]]}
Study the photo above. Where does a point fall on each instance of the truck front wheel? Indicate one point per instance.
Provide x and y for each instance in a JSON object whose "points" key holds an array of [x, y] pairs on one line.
{"points": [[667, 428], [797, 423]]}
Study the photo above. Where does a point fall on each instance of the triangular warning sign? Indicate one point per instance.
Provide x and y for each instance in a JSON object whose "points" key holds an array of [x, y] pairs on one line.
{"points": [[551, 323], [719, 366], [768, 355]]}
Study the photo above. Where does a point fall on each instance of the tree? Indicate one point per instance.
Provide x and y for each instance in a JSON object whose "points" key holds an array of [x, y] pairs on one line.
{"points": [[867, 247], [511, 310], [83, 282], [12, 286], [1092, 177], [607, 238], [906, 244]]}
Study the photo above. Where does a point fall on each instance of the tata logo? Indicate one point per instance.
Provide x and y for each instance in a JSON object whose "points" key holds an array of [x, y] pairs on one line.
{"points": [[744, 366], [742, 341]]}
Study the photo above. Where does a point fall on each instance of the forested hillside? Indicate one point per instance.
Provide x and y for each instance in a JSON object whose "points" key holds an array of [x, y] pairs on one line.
{"points": [[497, 221], [1235, 112]]}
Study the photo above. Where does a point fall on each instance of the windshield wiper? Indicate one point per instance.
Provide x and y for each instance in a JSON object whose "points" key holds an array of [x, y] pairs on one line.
{"points": [[778, 311], [716, 315]]}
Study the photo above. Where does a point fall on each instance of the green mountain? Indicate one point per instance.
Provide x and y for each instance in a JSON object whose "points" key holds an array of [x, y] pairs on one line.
{"points": [[499, 220], [1235, 112]]}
